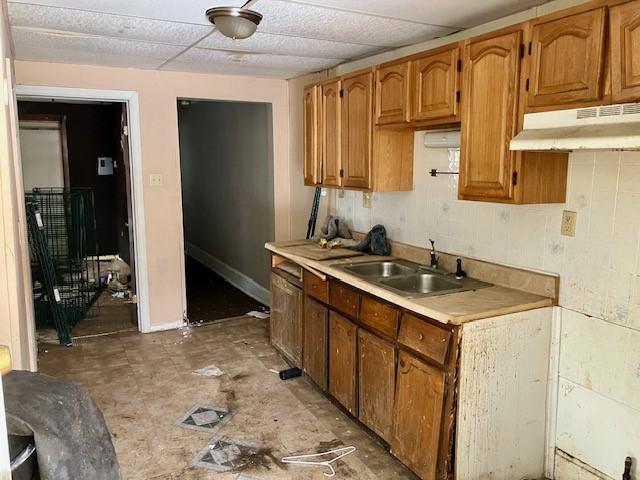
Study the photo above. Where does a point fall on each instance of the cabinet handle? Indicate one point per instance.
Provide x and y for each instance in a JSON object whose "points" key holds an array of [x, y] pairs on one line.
{"points": [[421, 337]]}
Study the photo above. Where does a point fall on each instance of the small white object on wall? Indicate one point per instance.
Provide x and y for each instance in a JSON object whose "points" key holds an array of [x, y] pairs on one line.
{"points": [[105, 166]]}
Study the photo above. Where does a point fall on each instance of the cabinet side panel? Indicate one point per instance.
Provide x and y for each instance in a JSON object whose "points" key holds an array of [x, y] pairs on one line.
{"points": [[502, 396]]}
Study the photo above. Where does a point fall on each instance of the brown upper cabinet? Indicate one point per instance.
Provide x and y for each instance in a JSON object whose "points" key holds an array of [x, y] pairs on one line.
{"points": [[491, 76], [311, 127], [568, 56], [356, 130], [625, 52], [329, 147], [392, 93], [435, 86]]}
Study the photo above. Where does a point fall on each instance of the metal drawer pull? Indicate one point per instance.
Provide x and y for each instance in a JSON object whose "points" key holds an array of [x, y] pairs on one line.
{"points": [[23, 456], [421, 337]]}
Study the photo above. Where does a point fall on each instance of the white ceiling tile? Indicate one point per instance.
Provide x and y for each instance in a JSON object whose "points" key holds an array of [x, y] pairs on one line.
{"points": [[452, 13], [53, 18], [281, 17], [281, 62], [191, 11], [48, 47], [286, 45], [228, 69]]}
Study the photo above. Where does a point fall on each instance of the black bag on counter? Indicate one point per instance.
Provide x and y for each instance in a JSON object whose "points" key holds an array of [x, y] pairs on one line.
{"points": [[375, 242]]}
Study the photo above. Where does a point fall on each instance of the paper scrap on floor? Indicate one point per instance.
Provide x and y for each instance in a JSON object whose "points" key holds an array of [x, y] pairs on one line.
{"points": [[256, 314], [209, 371]]}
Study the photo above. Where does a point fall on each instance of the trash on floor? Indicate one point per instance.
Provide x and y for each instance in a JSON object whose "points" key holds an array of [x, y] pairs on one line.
{"points": [[289, 373], [204, 418], [315, 459], [256, 314], [224, 454], [209, 371]]}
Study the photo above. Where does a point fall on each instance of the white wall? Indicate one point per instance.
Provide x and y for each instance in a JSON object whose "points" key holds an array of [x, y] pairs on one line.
{"points": [[599, 398]]}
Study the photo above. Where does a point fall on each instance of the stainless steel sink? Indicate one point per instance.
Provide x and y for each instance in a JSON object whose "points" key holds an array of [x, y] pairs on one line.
{"points": [[422, 283], [381, 269], [411, 279]]}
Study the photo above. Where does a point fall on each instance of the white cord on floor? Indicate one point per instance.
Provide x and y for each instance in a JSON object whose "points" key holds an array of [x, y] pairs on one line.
{"points": [[300, 459]]}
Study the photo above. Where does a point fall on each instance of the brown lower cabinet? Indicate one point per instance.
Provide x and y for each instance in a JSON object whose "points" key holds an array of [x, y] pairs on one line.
{"points": [[343, 362], [315, 343], [286, 318], [376, 383], [417, 415]]}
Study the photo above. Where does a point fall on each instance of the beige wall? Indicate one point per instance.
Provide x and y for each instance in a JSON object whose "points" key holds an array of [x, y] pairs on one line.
{"points": [[16, 307], [157, 93]]}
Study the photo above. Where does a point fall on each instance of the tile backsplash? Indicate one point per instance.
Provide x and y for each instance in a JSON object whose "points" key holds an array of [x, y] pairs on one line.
{"points": [[599, 267], [599, 272]]}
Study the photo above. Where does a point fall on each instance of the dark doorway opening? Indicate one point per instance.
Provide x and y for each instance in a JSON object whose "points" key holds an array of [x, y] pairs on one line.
{"points": [[94, 148], [226, 161]]}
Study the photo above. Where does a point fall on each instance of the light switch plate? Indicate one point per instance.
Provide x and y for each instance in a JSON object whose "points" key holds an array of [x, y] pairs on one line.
{"points": [[568, 226], [366, 200], [155, 179]]}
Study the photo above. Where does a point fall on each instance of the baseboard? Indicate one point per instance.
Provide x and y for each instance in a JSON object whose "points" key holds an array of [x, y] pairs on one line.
{"points": [[236, 278], [165, 326]]}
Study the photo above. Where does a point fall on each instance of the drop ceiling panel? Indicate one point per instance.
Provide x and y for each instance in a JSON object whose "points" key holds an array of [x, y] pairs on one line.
{"points": [[230, 69], [47, 47], [38, 16], [191, 11], [452, 13], [281, 62], [286, 45], [281, 17]]}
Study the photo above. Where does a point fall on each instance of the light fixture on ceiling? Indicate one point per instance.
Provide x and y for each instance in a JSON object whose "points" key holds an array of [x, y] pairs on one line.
{"points": [[234, 22]]}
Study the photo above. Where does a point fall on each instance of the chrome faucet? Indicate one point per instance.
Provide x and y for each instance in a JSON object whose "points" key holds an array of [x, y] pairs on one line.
{"points": [[434, 255]]}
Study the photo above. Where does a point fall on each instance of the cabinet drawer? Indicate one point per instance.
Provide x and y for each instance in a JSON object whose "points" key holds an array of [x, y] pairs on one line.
{"points": [[315, 287], [422, 337], [344, 299], [380, 317]]}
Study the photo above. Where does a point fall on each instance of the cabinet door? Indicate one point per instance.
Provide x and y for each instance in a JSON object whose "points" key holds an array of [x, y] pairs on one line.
{"points": [[392, 94], [286, 318], [568, 60], [356, 130], [330, 134], [491, 71], [625, 52], [434, 86], [376, 383], [417, 415], [311, 143], [316, 331], [343, 361]]}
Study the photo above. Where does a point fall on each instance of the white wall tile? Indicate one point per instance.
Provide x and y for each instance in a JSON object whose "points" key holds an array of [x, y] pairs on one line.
{"points": [[599, 272]]}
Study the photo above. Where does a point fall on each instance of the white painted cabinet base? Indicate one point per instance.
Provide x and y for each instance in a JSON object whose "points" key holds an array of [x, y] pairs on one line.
{"points": [[502, 400]]}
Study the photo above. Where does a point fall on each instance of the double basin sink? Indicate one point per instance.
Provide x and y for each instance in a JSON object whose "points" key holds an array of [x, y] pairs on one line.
{"points": [[411, 279]]}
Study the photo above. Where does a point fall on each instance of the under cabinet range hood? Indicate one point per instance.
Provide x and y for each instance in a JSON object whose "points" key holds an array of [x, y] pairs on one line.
{"points": [[611, 127]]}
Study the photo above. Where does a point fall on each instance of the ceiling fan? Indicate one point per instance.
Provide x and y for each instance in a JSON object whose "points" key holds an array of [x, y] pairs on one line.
{"points": [[235, 22]]}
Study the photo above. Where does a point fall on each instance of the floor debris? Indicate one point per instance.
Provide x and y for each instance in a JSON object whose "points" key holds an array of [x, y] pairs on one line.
{"points": [[256, 314], [309, 459], [209, 371], [224, 454], [204, 418]]}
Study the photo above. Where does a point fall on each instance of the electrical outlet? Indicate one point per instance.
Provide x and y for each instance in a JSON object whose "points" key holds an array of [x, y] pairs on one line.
{"points": [[341, 193], [366, 200], [568, 227], [155, 179]]}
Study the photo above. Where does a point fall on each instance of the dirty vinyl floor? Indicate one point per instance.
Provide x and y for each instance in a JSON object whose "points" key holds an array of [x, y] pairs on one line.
{"points": [[145, 383]]}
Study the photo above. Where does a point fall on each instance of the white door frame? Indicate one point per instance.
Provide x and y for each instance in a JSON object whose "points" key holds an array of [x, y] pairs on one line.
{"points": [[130, 99]]}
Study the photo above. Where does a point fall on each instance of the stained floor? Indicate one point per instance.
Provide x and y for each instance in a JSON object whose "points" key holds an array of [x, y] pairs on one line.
{"points": [[144, 384], [210, 297]]}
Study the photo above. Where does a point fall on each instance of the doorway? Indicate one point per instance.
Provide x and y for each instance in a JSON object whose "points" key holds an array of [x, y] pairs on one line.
{"points": [[226, 161], [77, 185]]}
